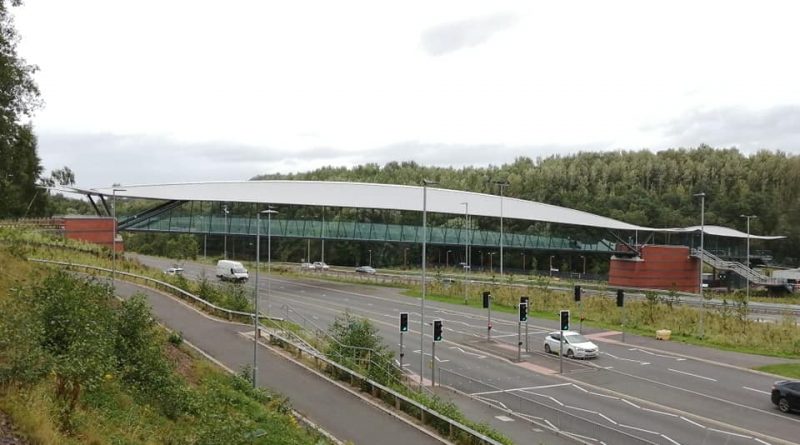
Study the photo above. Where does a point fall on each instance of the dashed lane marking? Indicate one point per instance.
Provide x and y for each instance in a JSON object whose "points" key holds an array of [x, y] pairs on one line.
{"points": [[693, 375]]}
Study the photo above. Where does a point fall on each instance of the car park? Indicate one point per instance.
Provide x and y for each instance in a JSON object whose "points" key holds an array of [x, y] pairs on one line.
{"points": [[365, 269], [575, 344], [786, 395], [320, 265]]}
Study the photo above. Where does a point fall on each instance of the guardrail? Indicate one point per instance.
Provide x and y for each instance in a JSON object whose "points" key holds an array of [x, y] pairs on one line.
{"points": [[443, 424], [159, 285]]}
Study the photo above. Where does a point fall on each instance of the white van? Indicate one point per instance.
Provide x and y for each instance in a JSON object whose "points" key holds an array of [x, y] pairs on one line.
{"points": [[231, 271]]}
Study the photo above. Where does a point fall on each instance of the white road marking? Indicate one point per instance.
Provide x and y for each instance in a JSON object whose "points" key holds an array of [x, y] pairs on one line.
{"points": [[693, 375], [679, 359], [761, 441], [519, 389], [467, 352], [580, 388], [582, 437], [757, 390], [437, 358], [631, 404], [626, 359], [639, 429], [607, 418], [504, 418], [693, 422], [660, 412], [730, 433], [670, 439]]}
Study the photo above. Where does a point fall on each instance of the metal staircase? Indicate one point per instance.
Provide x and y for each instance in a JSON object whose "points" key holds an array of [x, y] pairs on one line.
{"points": [[738, 268]]}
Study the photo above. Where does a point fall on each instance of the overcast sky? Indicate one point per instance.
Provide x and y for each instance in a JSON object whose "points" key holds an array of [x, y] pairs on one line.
{"points": [[163, 91]]}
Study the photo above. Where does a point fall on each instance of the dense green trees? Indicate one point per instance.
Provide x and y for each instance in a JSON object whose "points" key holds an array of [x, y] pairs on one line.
{"points": [[20, 167]]}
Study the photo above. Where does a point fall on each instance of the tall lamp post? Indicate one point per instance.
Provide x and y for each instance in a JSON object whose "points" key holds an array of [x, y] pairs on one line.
{"points": [[269, 213], [225, 211], [523, 261], [405, 257], [425, 184], [114, 233], [702, 196], [491, 263], [584, 264], [551, 265], [370, 257], [749, 217], [502, 184], [466, 247]]}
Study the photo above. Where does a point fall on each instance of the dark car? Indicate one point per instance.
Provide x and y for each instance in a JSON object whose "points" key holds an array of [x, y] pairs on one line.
{"points": [[786, 395]]}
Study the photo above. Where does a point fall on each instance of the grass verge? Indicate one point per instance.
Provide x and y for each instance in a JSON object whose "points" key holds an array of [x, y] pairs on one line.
{"points": [[790, 370]]}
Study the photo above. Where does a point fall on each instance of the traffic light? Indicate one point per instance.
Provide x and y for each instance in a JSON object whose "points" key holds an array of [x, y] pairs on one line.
{"points": [[524, 300], [565, 320], [403, 321], [523, 311], [620, 298], [577, 294], [437, 330], [486, 296]]}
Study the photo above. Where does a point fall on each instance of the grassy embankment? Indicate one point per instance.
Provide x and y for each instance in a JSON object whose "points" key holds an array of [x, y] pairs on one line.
{"points": [[77, 367], [231, 297]]}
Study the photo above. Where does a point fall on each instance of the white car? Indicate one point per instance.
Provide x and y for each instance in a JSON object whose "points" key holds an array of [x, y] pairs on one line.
{"points": [[174, 271], [575, 344], [320, 265]]}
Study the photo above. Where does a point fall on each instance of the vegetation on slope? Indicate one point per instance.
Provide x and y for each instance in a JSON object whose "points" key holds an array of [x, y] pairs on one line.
{"points": [[77, 366]]}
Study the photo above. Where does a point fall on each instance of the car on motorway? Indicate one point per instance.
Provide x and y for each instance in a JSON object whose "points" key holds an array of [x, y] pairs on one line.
{"points": [[365, 269], [174, 271], [320, 265], [575, 344], [786, 395]]}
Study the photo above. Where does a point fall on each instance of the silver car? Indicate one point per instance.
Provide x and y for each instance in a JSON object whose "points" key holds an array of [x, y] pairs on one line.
{"points": [[575, 344]]}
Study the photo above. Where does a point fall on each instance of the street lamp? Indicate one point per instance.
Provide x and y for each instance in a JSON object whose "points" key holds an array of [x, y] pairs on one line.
{"points": [[447, 259], [225, 242], [114, 233], [523, 261], [584, 263], [405, 258], [491, 263], [702, 254], [466, 247], [370, 257], [502, 184], [269, 213], [749, 217], [425, 184]]}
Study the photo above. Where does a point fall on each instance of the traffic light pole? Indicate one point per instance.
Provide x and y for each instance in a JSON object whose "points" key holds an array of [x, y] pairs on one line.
{"points": [[489, 325], [526, 337], [433, 364], [401, 352], [519, 341], [623, 324], [561, 352]]}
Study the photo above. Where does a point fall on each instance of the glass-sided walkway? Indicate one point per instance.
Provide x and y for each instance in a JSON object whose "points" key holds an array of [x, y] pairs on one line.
{"points": [[358, 231]]}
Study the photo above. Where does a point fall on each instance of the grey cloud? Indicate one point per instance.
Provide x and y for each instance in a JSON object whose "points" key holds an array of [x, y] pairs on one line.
{"points": [[100, 160], [776, 128], [453, 36]]}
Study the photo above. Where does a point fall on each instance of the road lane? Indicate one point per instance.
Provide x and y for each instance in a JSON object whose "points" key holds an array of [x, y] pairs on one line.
{"points": [[641, 374]]}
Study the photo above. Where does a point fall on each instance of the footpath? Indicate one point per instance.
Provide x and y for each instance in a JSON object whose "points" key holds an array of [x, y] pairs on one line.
{"points": [[341, 413]]}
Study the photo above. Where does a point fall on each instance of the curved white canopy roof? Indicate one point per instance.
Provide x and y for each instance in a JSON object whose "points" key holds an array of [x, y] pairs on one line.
{"points": [[376, 196]]}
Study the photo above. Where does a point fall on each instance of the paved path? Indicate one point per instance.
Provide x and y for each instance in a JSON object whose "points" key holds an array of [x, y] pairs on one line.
{"points": [[341, 413]]}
